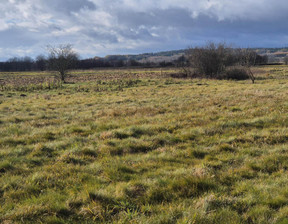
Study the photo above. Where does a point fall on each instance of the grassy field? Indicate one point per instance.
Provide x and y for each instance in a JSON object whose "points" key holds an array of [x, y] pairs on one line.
{"points": [[139, 147]]}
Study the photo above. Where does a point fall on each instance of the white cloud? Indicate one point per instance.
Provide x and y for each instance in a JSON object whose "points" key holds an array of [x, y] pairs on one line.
{"points": [[116, 26]]}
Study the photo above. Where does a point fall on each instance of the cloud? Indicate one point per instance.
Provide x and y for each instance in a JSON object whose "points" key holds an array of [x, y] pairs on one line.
{"points": [[100, 27]]}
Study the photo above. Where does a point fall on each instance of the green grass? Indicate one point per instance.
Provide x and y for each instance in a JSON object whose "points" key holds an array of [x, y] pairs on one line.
{"points": [[146, 150]]}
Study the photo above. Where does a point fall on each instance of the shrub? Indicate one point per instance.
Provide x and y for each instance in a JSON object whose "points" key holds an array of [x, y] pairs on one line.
{"points": [[209, 60], [212, 60], [236, 74]]}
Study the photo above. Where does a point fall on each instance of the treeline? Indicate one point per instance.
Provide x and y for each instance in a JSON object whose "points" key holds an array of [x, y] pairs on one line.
{"points": [[24, 64], [118, 62], [41, 63]]}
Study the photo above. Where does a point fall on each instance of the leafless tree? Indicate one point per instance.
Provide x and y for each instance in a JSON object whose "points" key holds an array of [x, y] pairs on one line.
{"points": [[212, 60], [61, 59], [209, 60], [248, 59]]}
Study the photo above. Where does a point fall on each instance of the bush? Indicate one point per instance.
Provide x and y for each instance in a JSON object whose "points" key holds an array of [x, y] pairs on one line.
{"points": [[209, 60], [212, 60], [236, 74]]}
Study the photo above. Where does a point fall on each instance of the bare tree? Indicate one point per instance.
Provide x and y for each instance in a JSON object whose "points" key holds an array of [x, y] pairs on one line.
{"points": [[248, 59], [212, 61], [61, 59], [209, 60]]}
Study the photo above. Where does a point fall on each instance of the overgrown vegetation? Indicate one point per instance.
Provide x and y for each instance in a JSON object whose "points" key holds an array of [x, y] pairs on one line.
{"points": [[235, 73], [156, 150], [212, 61]]}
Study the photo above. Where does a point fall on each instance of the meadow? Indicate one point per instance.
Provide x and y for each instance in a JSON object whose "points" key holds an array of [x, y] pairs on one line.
{"points": [[138, 146]]}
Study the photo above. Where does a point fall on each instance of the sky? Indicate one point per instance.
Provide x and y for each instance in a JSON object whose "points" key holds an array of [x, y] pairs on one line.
{"points": [[105, 27]]}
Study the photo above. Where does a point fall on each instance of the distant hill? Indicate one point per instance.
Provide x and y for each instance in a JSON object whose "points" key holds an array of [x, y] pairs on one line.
{"points": [[167, 56], [274, 55], [171, 55]]}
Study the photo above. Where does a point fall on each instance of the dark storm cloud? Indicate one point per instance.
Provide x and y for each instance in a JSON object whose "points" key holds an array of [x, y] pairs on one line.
{"points": [[100, 27]]}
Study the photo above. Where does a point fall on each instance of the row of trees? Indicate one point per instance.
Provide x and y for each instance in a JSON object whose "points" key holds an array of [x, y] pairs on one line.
{"points": [[24, 64], [42, 62], [210, 61]]}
